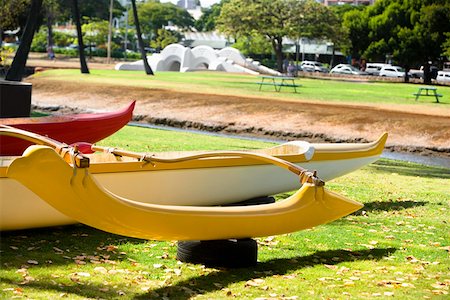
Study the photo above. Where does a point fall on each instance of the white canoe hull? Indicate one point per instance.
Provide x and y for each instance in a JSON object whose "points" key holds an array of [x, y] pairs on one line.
{"points": [[22, 209]]}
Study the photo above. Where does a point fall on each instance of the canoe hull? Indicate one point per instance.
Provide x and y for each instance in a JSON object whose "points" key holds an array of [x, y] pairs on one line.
{"points": [[211, 181], [225, 185], [69, 129], [49, 176]]}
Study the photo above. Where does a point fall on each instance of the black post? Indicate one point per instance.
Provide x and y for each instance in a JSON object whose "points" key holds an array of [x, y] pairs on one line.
{"points": [[148, 69], [76, 16], [16, 71]]}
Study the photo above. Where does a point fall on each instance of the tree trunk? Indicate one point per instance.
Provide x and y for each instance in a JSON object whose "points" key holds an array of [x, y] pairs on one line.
{"points": [[50, 32], [15, 73], [426, 73], [108, 56], [278, 49], [332, 57], [407, 68], [148, 69], [76, 16]]}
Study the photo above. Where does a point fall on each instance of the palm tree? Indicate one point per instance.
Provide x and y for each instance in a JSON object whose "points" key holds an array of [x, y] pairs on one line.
{"points": [[15, 73], [76, 16], [148, 69]]}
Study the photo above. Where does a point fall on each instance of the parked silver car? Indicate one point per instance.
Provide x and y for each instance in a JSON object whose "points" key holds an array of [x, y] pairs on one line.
{"points": [[443, 76], [374, 68], [392, 71], [313, 66], [346, 69]]}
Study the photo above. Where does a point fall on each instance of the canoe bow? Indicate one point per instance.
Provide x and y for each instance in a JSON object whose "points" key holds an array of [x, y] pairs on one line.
{"points": [[74, 192]]}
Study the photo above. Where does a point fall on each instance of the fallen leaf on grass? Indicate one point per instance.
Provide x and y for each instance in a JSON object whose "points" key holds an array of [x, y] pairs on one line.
{"points": [[439, 292], [111, 248], [446, 248], [342, 270], [389, 283], [412, 259], [22, 271], [440, 285], [254, 282], [101, 270], [32, 262]]}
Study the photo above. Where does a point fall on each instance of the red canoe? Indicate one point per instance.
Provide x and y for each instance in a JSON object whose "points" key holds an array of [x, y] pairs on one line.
{"points": [[89, 128]]}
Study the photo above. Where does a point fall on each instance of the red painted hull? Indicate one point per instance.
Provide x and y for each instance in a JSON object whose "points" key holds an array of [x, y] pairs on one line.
{"points": [[69, 129]]}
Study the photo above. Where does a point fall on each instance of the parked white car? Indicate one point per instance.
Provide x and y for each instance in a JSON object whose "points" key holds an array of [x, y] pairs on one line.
{"points": [[375, 68], [443, 76], [313, 66], [392, 71], [346, 69]]}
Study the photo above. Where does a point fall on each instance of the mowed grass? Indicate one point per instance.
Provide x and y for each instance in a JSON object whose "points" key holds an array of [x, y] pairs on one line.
{"points": [[396, 246], [245, 85]]}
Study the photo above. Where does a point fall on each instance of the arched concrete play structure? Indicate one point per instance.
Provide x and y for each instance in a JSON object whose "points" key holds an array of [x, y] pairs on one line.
{"points": [[176, 57]]}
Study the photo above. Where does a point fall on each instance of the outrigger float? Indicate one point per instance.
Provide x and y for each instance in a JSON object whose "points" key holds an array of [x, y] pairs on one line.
{"points": [[169, 195]]}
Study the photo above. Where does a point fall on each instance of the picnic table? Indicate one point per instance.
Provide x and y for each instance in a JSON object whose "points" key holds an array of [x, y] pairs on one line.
{"points": [[278, 82], [429, 91]]}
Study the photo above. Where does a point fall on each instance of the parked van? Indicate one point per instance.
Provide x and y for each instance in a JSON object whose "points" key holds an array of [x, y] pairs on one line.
{"points": [[443, 76]]}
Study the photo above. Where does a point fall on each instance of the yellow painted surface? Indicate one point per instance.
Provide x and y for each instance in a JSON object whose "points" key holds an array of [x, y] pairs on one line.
{"points": [[76, 194]]}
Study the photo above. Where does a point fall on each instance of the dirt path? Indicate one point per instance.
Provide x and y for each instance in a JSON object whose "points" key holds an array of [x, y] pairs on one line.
{"points": [[424, 132]]}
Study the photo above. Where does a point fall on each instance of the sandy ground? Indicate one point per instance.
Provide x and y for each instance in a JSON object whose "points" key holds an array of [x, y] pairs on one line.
{"points": [[426, 132]]}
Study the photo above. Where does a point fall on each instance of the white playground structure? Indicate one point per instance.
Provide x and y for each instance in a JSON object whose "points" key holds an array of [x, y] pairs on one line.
{"points": [[176, 57]]}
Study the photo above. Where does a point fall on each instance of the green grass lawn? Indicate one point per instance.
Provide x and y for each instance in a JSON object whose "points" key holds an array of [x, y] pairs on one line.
{"points": [[245, 85], [397, 245]]}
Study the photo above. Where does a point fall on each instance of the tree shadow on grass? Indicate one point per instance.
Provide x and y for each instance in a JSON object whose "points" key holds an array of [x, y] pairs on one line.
{"points": [[389, 205], [17, 246], [222, 278], [83, 288], [182, 290], [410, 169]]}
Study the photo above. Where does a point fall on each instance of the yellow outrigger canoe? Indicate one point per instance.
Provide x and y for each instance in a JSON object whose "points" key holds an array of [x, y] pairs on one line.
{"points": [[177, 179]]}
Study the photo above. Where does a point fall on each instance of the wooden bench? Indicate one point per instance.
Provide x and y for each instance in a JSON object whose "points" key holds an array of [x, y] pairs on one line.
{"points": [[427, 91], [278, 82]]}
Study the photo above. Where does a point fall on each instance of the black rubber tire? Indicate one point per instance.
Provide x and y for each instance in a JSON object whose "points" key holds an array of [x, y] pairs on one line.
{"points": [[232, 253]]}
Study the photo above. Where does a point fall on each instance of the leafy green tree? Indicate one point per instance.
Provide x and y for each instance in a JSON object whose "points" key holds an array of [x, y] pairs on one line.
{"points": [[446, 46], [267, 18], [13, 15], [412, 31], [276, 19], [251, 45], [95, 32], [207, 21], [97, 10], [154, 15], [356, 23], [315, 21], [16, 71], [39, 43], [165, 38]]}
